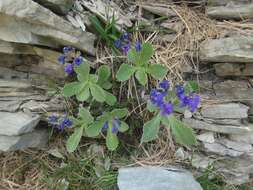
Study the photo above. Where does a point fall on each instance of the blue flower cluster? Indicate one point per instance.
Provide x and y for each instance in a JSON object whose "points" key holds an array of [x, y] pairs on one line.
{"points": [[115, 125], [157, 97], [60, 122], [69, 59], [191, 101], [124, 43]]}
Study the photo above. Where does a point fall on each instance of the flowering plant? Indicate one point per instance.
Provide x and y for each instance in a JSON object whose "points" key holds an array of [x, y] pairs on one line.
{"points": [[92, 87]]}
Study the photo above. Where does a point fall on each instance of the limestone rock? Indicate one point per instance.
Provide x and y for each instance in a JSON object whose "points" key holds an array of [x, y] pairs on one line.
{"points": [[227, 2], [226, 129], [58, 6], [35, 139], [239, 12], [207, 137], [236, 49], [233, 69], [102, 8], [30, 23], [225, 111], [238, 146], [17, 123], [150, 178], [221, 150], [244, 138], [236, 122]]}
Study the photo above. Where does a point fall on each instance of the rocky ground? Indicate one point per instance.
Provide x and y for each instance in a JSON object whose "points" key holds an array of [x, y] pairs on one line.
{"points": [[209, 41]]}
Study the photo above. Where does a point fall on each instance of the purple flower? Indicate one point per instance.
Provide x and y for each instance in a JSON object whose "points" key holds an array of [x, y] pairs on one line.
{"points": [[118, 43], [157, 98], [61, 59], [105, 126], [126, 48], [194, 102], [115, 125], [138, 46], [69, 68], [78, 60], [184, 100], [166, 109], [53, 119], [67, 122], [67, 49], [125, 36], [165, 85], [179, 90]]}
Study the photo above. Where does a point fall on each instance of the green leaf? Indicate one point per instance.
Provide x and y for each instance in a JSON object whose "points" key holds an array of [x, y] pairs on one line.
{"points": [[97, 92], [94, 129], [97, 25], [191, 86], [93, 78], [72, 88], [119, 113], [125, 72], [112, 141], [110, 98], [82, 71], [141, 77], [150, 129], [123, 127], [183, 135], [74, 139], [103, 73], [151, 107], [157, 71], [84, 94], [105, 85], [142, 57], [85, 115]]}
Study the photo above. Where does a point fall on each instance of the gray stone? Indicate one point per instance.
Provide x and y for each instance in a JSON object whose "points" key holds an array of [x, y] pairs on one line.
{"points": [[236, 122], [233, 69], [221, 150], [10, 106], [35, 139], [238, 146], [236, 171], [225, 111], [17, 123], [158, 178], [239, 12], [244, 138], [30, 23], [58, 6], [236, 49], [207, 137], [226, 129], [227, 2]]}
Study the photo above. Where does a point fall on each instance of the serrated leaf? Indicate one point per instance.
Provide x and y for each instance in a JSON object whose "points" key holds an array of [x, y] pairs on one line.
{"points": [[74, 139], [97, 92], [119, 113], [157, 71], [191, 86], [123, 127], [125, 72], [112, 141], [85, 115], [150, 129], [84, 94], [72, 88], [82, 71], [142, 77], [183, 135], [94, 129], [110, 99]]}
